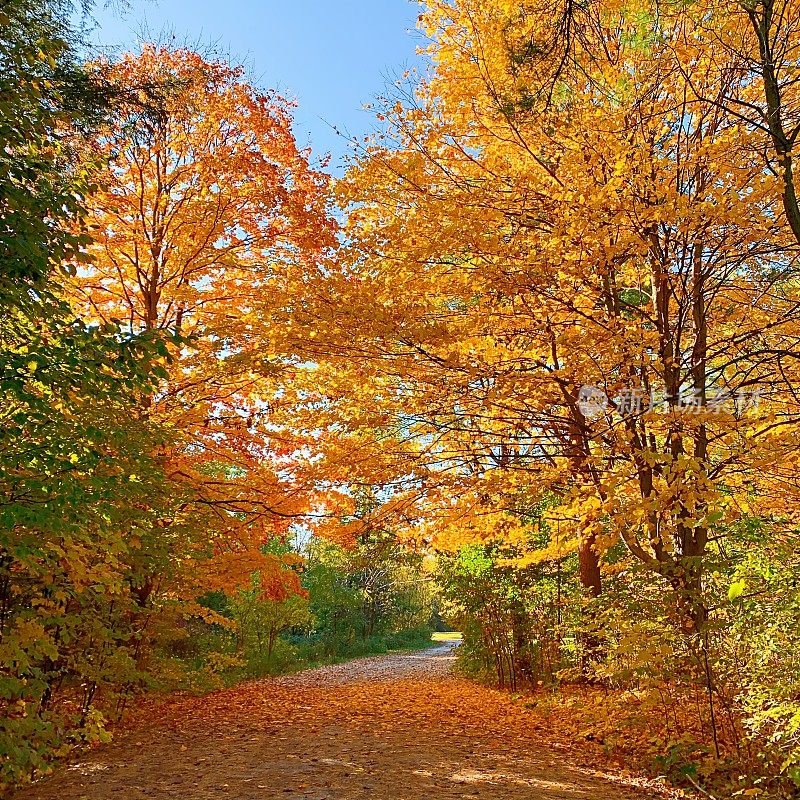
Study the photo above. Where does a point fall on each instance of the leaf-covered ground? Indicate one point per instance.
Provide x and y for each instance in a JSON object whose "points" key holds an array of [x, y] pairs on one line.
{"points": [[398, 727]]}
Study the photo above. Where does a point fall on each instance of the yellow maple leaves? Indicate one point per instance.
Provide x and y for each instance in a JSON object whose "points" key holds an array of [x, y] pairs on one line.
{"points": [[555, 214]]}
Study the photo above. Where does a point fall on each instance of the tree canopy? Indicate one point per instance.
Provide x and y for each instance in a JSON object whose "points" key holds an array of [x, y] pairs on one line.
{"points": [[529, 368]]}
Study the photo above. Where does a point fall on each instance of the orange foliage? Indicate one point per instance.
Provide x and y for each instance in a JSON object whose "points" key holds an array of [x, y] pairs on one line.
{"points": [[207, 216]]}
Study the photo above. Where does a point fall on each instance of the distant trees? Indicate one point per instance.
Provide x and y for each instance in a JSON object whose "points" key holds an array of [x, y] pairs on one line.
{"points": [[373, 588], [513, 618]]}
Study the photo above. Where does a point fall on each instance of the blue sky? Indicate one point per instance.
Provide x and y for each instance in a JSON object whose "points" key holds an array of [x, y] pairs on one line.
{"points": [[332, 56]]}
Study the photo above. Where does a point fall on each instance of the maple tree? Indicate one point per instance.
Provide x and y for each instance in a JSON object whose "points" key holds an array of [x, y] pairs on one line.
{"points": [[206, 213]]}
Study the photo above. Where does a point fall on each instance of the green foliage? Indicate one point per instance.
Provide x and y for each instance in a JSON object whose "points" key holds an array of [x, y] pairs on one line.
{"points": [[46, 99], [318, 649], [80, 496], [259, 622], [364, 601], [376, 587], [761, 647], [513, 619]]}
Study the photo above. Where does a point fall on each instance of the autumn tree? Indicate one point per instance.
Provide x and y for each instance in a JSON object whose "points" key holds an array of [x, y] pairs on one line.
{"points": [[208, 213], [534, 230], [261, 619], [80, 493]]}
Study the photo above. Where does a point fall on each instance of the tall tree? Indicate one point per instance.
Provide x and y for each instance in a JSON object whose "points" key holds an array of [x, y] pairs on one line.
{"points": [[79, 491], [46, 97], [535, 230], [209, 215]]}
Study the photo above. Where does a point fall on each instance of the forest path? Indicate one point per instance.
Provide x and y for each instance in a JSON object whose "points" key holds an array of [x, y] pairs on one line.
{"points": [[394, 727]]}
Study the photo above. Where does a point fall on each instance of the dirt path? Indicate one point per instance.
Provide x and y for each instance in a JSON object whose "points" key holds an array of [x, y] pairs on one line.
{"points": [[396, 727]]}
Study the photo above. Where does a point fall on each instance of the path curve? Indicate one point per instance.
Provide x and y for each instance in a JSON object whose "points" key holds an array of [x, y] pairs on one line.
{"points": [[435, 662], [394, 727]]}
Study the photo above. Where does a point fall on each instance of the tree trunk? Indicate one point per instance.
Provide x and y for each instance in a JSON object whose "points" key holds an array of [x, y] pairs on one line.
{"points": [[589, 567]]}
